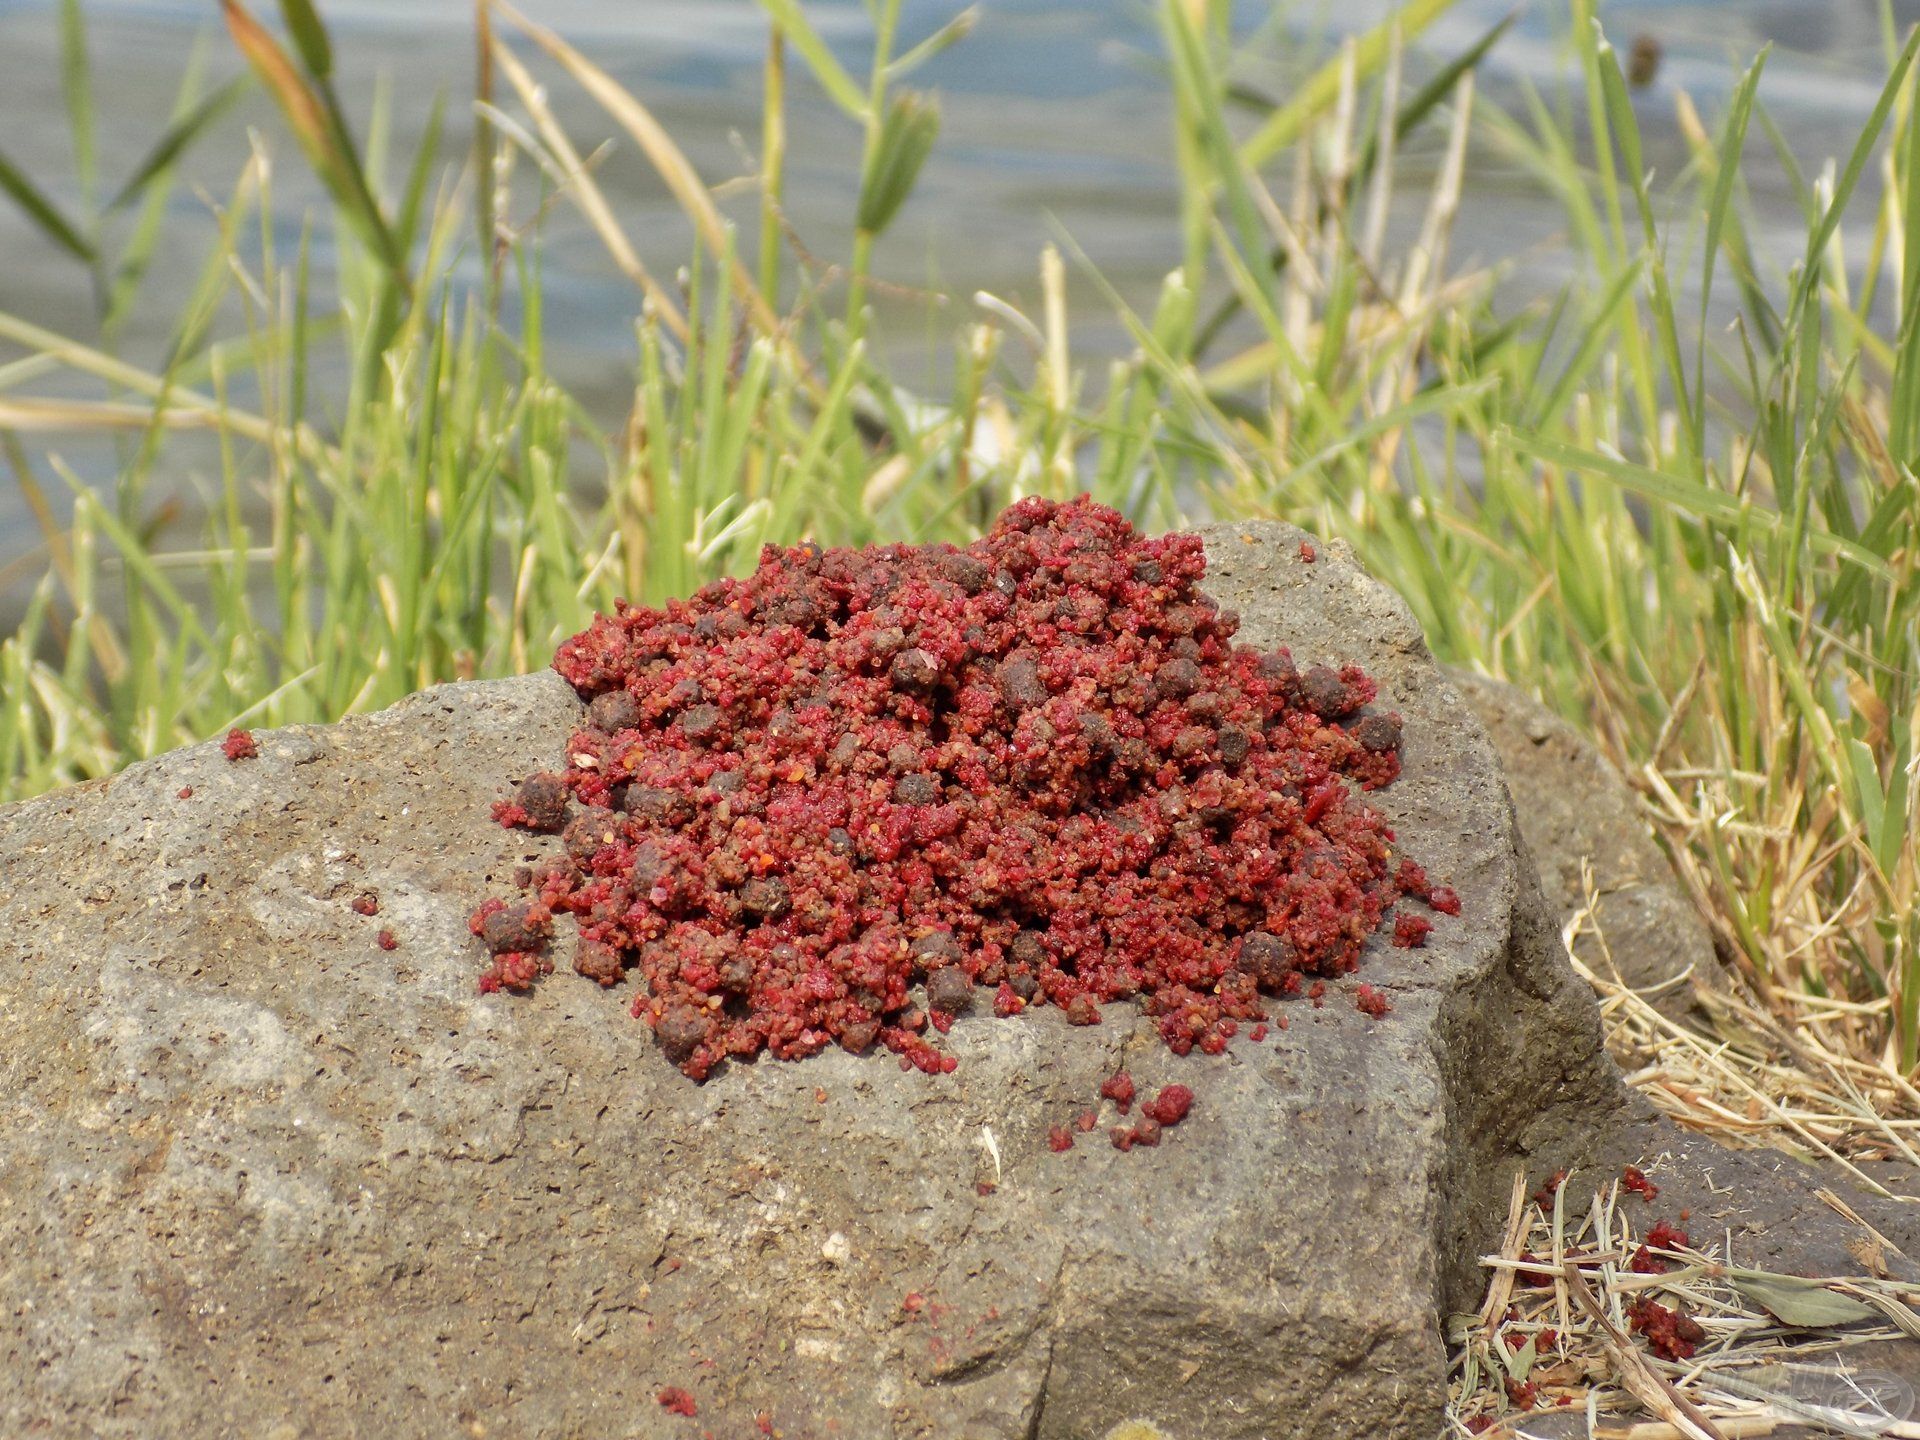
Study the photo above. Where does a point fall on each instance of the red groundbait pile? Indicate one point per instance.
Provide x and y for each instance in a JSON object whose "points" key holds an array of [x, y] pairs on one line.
{"points": [[863, 791]]}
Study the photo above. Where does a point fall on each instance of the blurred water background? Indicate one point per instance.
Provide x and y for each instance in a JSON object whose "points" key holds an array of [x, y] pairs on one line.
{"points": [[1056, 129]]}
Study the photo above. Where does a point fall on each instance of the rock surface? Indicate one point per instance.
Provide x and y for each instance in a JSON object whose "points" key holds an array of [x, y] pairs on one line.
{"points": [[1576, 810], [263, 1176]]}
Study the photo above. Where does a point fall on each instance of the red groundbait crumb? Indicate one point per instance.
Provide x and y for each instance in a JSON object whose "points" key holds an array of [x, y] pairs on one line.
{"points": [[1634, 1179], [863, 792], [1169, 1107], [368, 904], [388, 941], [1059, 1138], [1543, 1197], [1670, 1334], [1662, 1237], [186, 792], [1119, 1089], [1369, 1001], [239, 745], [676, 1401]]}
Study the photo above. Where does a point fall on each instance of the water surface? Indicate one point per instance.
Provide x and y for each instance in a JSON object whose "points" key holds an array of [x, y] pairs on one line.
{"points": [[1056, 124]]}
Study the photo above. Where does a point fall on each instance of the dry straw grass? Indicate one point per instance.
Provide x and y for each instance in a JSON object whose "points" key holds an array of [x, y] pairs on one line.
{"points": [[1784, 1073], [1779, 1350]]}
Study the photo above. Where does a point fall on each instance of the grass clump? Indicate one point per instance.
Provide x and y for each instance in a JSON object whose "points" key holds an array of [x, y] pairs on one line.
{"points": [[1677, 500]]}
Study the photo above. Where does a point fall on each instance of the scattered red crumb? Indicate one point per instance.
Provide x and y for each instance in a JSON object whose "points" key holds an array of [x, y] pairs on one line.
{"points": [[914, 1302], [1122, 1137], [186, 792], [1543, 1197], [387, 940], [1257, 1034], [1307, 552], [819, 1096], [1410, 931], [1522, 1396], [366, 905], [1664, 1236], [1670, 1334], [764, 1423], [239, 745], [1370, 1001], [1443, 899], [1039, 765], [1634, 1180], [985, 1187], [1538, 1274], [1086, 1120], [1318, 993], [677, 1401], [516, 935], [1059, 1138], [1479, 1424], [1170, 1106], [1119, 1089]]}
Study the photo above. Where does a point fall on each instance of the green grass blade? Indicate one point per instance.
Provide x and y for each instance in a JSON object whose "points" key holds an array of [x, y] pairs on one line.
{"points": [[45, 215], [76, 83], [1322, 88], [831, 74], [177, 139]]}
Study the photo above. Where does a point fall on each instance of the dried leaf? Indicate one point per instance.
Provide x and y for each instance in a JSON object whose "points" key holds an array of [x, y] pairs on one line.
{"points": [[1796, 1301]]}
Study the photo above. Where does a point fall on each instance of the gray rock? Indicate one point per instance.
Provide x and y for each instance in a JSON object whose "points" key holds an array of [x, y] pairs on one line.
{"points": [[262, 1176], [1575, 810]]}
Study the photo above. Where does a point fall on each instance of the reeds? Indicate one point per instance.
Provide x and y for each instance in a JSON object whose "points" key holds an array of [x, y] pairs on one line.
{"points": [[1677, 500]]}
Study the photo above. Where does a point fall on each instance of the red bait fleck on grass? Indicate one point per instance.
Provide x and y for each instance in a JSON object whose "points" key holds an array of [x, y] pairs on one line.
{"points": [[1634, 1180], [387, 940], [1119, 1089], [366, 905], [239, 745], [1663, 1236], [1369, 1001], [858, 793], [677, 1401], [1543, 1197], [1666, 1236], [1670, 1334]]}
